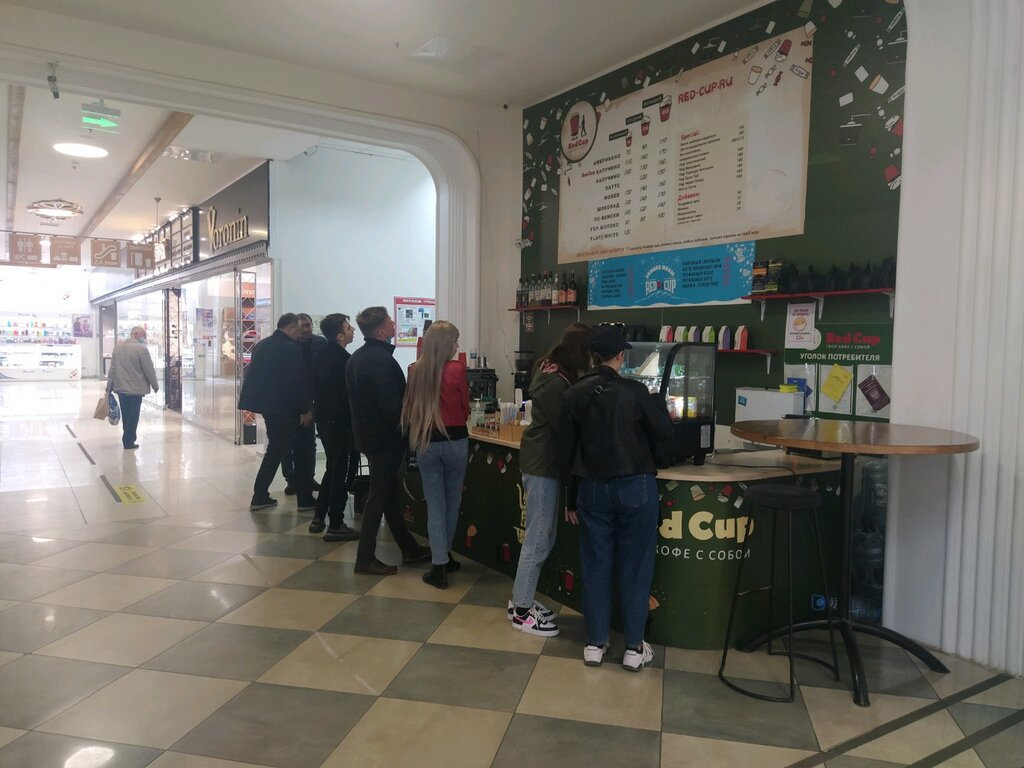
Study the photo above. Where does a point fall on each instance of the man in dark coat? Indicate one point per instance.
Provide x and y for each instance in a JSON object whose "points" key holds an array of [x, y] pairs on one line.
{"points": [[376, 387], [275, 386], [298, 465]]}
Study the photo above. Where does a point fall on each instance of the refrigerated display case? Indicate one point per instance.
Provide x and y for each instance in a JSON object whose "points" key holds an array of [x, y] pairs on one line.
{"points": [[684, 375]]}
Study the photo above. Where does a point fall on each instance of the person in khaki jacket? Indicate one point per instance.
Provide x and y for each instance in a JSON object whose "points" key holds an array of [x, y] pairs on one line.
{"points": [[131, 377]]}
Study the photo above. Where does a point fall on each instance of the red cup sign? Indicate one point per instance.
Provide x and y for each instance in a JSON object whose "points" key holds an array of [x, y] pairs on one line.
{"points": [[104, 253], [579, 131], [65, 250], [24, 249]]}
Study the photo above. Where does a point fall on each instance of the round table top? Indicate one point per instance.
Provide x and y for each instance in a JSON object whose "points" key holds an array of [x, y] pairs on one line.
{"points": [[855, 437]]}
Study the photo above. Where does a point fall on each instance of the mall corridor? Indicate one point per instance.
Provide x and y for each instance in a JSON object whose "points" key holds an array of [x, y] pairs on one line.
{"points": [[147, 618]]}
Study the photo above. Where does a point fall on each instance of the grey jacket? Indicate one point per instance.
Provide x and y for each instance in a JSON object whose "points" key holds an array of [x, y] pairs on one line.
{"points": [[131, 370]]}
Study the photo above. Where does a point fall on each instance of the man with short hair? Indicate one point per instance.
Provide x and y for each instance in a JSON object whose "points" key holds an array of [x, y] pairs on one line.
{"points": [[376, 387], [298, 465], [275, 386], [334, 424], [131, 376]]}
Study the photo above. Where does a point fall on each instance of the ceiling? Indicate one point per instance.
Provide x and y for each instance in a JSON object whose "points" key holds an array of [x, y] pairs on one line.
{"points": [[484, 51]]}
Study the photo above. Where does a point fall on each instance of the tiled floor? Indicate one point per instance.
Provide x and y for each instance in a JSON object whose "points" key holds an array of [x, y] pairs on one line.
{"points": [[181, 631]]}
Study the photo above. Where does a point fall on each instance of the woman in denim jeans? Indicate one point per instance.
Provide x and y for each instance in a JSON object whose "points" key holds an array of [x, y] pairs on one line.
{"points": [[543, 462], [434, 415]]}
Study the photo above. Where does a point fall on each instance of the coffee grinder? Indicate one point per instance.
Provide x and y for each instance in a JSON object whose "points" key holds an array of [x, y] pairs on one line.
{"points": [[524, 368]]}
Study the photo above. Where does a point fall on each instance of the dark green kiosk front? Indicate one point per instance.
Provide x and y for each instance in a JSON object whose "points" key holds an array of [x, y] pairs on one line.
{"points": [[701, 532]]}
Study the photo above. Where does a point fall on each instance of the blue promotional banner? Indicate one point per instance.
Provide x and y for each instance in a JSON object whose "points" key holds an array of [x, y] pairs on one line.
{"points": [[715, 274]]}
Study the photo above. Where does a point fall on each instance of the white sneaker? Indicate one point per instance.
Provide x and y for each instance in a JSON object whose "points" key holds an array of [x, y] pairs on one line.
{"points": [[593, 655], [544, 613], [634, 661], [533, 624]]}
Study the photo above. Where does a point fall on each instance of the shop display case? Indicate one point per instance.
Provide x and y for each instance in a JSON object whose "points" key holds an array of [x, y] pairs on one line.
{"points": [[40, 362], [684, 375]]}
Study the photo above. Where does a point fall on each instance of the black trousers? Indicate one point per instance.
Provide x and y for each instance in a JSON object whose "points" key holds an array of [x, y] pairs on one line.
{"points": [[382, 502], [338, 475], [280, 432], [298, 464], [131, 407]]}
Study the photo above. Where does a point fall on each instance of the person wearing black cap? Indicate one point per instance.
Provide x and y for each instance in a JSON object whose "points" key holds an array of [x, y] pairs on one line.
{"points": [[613, 426]]}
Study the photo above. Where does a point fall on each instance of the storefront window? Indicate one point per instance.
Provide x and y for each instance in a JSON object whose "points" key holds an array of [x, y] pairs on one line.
{"points": [[146, 311]]}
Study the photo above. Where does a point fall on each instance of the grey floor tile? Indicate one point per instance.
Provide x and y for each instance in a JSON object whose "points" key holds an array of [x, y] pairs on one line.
{"points": [[29, 626], [888, 669], [973, 717], [229, 650], [26, 582], [170, 563], [1004, 750], [491, 590], [330, 577], [287, 545], [44, 749], [196, 600], [570, 744], [35, 688], [390, 617], [272, 523], [486, 679], [152, 535], [277, 726], [28, 549], [847, 761], [700, 705], [572, 637]]}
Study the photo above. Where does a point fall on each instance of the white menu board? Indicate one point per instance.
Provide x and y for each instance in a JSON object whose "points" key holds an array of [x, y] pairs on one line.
{"points": [[717, 154]]}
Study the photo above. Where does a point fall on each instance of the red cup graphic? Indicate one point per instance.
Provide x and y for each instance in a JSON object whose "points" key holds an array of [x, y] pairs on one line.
{"points": [[629, 139], [471, 532], [892, 177], [506, 553], [666, 108], [783, 52], [894, 125], [574, 125], [645, 125], [568, 581]]}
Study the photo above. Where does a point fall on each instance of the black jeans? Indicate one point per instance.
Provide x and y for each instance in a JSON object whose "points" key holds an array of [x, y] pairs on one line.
{"points": [[333, 496], [298, 464], [382, 501], [280, 432], [131, 407]]}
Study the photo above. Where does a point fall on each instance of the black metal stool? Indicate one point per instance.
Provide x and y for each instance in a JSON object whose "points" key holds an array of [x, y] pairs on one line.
{"points": [[787, 499]]}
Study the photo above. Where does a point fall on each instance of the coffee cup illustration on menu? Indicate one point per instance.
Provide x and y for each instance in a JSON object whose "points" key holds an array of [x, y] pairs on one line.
{"points": [[629, 138], [645, 125], [666, 108]]}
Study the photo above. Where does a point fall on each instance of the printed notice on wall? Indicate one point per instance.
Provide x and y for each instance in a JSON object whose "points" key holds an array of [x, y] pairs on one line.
{"points": [[411, 318], [715, 155]]}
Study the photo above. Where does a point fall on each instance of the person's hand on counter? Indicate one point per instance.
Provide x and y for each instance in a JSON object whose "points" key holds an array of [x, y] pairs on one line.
{"points": [[571, 516]]}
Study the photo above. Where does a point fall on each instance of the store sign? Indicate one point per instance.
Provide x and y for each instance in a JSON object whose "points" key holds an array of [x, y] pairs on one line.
{"points": [[104, 253], [237, 216], [227, 233], [141, 256], [65, 250], [24, 249]]}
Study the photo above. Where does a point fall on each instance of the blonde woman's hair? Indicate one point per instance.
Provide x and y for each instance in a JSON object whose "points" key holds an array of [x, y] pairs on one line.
{"points": [[421, 410]]}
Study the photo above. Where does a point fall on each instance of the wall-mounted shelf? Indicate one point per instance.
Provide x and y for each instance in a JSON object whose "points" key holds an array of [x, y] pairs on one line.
{"points": [[766, 353], [549, 309], [819, 297]]}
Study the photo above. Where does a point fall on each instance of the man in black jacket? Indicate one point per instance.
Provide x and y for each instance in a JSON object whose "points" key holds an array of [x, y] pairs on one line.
{"points": [[275, 385], [376, 387], [613, 426], [334, 423], [298, 465]]}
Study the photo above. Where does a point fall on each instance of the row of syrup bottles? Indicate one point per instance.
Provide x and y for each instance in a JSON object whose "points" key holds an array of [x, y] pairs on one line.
{"points": [[545, 290]]}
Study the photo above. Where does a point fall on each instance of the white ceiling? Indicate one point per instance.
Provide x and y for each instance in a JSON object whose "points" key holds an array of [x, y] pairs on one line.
{"points": [[495, 51]]}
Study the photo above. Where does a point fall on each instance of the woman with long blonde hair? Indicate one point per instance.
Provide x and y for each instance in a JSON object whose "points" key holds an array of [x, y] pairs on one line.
{"points": [[434, 416]]}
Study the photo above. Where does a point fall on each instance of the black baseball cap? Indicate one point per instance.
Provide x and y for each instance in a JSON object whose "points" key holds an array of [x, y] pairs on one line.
{"points": [[608, 340]]}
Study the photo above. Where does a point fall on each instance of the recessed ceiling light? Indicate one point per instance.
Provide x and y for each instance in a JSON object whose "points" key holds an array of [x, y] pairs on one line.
{"points": [[53, 210], [80, 150]]}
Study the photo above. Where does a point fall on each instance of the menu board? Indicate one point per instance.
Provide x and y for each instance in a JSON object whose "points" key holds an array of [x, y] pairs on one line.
{"points": [[714, 155]]}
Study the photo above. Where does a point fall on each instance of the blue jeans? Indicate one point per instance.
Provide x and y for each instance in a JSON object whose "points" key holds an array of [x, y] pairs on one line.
{"points": [[131, 407], [618, 536], [541, 527], [442, 470]]}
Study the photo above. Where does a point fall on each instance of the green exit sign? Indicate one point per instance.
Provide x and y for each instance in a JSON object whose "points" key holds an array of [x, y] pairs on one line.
{"points": [[100, 117]]}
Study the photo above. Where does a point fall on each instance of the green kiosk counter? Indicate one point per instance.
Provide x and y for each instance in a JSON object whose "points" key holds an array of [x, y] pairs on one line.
{"points": [[700, 538]]}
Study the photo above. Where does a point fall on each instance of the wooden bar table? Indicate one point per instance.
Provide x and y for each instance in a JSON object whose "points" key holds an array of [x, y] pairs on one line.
{"points": [[850, 438]]}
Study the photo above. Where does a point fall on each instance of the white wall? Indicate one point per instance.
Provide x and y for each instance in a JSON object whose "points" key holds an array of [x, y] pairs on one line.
{"points": [[350, 230]]}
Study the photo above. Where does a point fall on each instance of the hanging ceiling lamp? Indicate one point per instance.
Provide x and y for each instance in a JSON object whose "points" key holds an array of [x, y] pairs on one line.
{"points": [[55, 210]]}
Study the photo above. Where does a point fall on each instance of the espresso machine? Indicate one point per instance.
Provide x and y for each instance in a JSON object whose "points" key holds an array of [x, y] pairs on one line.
{"points": [[524, 368]]}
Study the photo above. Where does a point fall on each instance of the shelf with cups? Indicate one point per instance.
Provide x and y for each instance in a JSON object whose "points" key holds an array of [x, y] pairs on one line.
{"points": [[765, 353], [549, 308], [819, 297]]}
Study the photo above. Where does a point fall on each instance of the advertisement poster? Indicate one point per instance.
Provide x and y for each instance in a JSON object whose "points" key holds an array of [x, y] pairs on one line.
{"points": [[410, 315], [716, 154], [716, 274], [206, 325], [800, 326], [81, 326]]}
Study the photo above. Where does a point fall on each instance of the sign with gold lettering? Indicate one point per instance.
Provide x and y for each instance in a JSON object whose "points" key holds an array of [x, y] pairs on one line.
{"points": [[236, 217], [224, 233], [140, 256], [104, 253], [24, 249], [65, 250]]}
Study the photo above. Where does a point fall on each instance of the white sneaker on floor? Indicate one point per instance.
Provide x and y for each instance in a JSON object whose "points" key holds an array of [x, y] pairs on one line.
{"points": [[593, 655], [542, 612], [634, 661], [533, 624]]}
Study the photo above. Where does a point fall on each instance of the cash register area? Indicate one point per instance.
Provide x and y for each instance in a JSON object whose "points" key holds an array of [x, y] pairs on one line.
{"points": [[148, 619]]}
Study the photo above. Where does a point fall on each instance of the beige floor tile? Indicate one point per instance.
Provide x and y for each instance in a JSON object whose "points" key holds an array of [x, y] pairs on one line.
{"points": [[253, 570], [569, 690], [913, 742], [223, 541], [290, 609], [431, 734], [181, 760], [677, 750], [8, 656], [90, 532], [1009, 694], [106, 591], [966, 759], [150, 709], [4, 604], [124, 512], [387, 552], [94, 556], [962, 674], [476, 626], [748, 666], [200, 518], [408, 584], [7, 735], [343, 663], [123, 639], [836, 718]]}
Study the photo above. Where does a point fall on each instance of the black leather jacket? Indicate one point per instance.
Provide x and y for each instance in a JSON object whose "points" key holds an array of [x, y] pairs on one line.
{"points": [[275, 381], [330, 393], [613, 426], [376, 387]]}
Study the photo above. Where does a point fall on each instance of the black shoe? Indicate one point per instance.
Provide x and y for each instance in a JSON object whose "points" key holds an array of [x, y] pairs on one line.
{"points": [[289, 490], [452, 564], [341, 533], [316, 526], [418, 555], [376, 568], [437, 576], [306, 505], [257, 504], [131, 447]]}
